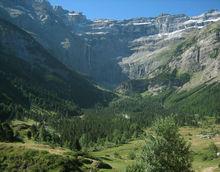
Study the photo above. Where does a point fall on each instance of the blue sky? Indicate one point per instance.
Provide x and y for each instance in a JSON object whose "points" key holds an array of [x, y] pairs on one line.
{"points": [[124, 9]]}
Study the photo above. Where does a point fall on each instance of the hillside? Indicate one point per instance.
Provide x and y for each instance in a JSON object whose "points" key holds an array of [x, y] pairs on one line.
{"points": [[30, 76], [56, 110], [109, 51]]}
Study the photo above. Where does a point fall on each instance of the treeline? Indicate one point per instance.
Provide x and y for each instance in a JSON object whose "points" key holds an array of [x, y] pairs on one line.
{"points": [[6, 133], [203, 100], [95, 131]]}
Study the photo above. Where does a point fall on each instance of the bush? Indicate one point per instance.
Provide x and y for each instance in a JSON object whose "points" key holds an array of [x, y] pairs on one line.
{"points": [[6, 132], [132, 155], [166, 149], [212, 152], [135, 168], [20, 159], [116, 155], [214, 53]]}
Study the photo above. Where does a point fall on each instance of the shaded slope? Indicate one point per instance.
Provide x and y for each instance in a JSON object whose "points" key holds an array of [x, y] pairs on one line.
{"points": [[30, 75]]}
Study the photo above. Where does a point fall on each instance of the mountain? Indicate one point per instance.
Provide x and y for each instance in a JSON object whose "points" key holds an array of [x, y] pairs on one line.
{"points": [[194, 60], [124, 54], [109, 51], [30, 76], [54, 28]]}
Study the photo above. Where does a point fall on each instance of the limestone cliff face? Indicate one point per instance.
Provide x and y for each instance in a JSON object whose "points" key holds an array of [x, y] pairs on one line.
{"points": [[48, 27], [109, 51], [202, 58], [196, 55]]}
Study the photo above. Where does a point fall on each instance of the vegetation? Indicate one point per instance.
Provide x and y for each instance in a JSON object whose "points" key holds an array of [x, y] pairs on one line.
{"points": [[6, 133], [69, 112], [166, 150], [167, 79], [19, 159], [214, 54], [201, 100]]}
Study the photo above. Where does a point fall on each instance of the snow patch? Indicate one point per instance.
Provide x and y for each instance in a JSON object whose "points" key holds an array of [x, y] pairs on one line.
{"points": [[144, 23], [73, 14]]}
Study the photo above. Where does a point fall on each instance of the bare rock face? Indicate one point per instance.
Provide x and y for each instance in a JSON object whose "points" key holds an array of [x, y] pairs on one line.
{"points": [[202, 58], [112, 51]]}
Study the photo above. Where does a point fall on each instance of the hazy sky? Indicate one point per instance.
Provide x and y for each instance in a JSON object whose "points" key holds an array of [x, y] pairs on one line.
{"points": [[123, 9]]}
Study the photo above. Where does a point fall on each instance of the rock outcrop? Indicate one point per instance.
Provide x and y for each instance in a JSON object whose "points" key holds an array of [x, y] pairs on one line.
{"points": [[109, 51]]}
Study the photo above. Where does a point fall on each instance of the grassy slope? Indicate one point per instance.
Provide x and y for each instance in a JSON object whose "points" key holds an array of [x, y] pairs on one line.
{"points": [[120, 162], [199, 146], [34, 157], [31, 155]]}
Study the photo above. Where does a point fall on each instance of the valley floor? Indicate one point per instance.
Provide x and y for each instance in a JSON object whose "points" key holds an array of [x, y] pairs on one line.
{"points": [[118, 157], [20, 153]]}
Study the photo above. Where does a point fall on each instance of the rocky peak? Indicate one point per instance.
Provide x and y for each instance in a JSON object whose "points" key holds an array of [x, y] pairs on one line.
{"points": [[59, 10], [133, 46]]}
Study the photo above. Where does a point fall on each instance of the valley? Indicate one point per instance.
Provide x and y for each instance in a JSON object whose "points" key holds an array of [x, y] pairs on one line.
{"points": [[123, 155], [121, 95]]}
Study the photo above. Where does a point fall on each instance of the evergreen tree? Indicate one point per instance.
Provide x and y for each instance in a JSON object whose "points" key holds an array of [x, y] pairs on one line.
{"points": [[8, 131], [34, 131], [84, 140], [77, 145], [29, 135], [42, 133], [2, 133]]}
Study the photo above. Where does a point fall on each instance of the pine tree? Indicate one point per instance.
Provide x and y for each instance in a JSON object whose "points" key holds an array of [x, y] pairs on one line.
{"points": [[42, 133], [8, 131]]}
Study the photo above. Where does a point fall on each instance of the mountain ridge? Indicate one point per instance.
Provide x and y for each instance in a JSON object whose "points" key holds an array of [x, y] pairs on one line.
{"points": [[32, 77], [96, 48]]}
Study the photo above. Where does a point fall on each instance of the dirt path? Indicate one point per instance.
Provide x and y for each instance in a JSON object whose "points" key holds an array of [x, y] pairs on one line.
{"points": [[209, 169]]}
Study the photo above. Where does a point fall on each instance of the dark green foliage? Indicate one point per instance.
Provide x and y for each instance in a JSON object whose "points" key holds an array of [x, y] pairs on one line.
{"points": [[133, 86], [77, 145], [6, 133], [166, 150], [203, 100], [43, 134], [132, 155], [91, 131], [30, 160], [180, 48], [168, 79], [29, 135], [135, 168], [217, 119], [34, 131], [41, 80], [211, 152], [84, 140], [112, 125], [214, 54]]}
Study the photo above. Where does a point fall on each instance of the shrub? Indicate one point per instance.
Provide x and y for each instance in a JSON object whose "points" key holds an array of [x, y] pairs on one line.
{"points": [[166, 149], [132, 155]]}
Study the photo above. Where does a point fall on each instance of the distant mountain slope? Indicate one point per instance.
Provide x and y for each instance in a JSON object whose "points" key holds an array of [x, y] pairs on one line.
{"points": [[203, 100], [31, 76], [109, 51], [185, 65]]}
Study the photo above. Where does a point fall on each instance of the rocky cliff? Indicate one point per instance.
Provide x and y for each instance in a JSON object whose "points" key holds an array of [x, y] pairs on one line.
{"points": [[109, 51]]}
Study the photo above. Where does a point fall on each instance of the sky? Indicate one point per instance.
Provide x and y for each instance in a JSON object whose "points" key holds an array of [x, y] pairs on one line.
{"points": [[125, 9]]}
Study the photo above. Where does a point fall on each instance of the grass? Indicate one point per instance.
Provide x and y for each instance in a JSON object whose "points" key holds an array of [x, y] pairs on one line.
{"points": [[16, 157], [199, 147], [118, 157], [38, 147]]}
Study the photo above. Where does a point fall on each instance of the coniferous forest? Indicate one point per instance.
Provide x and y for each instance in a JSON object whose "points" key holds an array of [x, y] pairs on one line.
{"points": [[133, 95]]}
